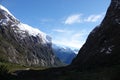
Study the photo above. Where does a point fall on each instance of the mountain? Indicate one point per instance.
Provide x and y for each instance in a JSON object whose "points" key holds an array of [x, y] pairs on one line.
{"points": [[102, 48], [98, 59], [23, 44], [65, 54]]}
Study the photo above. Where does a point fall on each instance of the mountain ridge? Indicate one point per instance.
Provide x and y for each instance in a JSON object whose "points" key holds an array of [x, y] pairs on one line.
{"points": [[24, 45]]}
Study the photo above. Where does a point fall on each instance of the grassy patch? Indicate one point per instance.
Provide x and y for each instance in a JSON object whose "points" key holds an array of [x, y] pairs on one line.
{"points": [[14, 67]]}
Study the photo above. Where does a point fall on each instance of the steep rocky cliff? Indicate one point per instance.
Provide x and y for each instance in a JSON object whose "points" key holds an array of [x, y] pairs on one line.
{"points": [[102, 47], [22, 44]]}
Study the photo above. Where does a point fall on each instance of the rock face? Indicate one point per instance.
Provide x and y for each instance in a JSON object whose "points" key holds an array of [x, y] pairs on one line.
{"points": [[102, 47], [22, 44], [65, 54]]}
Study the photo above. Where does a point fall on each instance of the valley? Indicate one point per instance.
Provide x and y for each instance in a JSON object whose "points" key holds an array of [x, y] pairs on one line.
{"points": [[31, 55]]}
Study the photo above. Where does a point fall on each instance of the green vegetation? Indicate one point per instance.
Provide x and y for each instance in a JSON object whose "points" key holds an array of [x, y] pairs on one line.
{"points": [[3, 70], [7, 70], [11, 67], [4, 75]]}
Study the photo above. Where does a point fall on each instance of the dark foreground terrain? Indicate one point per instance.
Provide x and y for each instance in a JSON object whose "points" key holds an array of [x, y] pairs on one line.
{"points": [[106, 73], [64, 73]]}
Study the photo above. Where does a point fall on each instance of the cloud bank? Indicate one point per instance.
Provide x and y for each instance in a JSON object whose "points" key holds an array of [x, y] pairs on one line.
{"points": [[74, 40]]}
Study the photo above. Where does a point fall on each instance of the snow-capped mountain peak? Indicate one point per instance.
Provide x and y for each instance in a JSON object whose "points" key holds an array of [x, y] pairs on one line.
{"points": [[8, 19], [5, 9], [23, 44]]}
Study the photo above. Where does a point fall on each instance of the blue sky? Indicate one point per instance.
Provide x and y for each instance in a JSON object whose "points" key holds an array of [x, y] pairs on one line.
{"points": [[68, 22]]}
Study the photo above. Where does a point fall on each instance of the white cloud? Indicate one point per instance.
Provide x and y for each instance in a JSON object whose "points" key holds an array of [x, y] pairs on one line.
{"points": [[75, 40], [76, 18], [94, 18]]}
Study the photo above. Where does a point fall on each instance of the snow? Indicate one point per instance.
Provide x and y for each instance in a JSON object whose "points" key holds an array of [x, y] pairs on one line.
{"points": [[76, 51], [109, 50], [22, 28], [34, 32], [4, 22], [30, 30], [5, 9]]}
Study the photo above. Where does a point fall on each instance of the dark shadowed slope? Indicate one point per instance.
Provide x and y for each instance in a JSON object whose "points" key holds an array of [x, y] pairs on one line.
{"points": [[102, 47]]}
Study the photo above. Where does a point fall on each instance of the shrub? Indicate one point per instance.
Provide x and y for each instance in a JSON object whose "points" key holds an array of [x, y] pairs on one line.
{"points": [[3, 72]]}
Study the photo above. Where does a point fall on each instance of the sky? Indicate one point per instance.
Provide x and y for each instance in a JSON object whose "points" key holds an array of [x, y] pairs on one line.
{"points": [[68, 22]]}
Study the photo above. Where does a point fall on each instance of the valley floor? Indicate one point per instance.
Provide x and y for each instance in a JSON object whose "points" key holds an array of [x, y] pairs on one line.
{"points": [[64, 73]]}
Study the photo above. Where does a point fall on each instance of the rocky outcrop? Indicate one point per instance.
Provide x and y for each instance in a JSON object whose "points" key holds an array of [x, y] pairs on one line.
{"points": [[102, 47], [22, 44]]}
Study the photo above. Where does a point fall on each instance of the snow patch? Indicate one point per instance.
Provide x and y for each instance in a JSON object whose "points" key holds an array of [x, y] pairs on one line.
{"points": [[109, 50], [5, 9], [4, 22], [76, 51]]}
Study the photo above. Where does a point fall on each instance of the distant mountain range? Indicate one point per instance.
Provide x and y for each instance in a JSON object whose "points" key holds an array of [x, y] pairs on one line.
{"points": [[65, 54]]}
